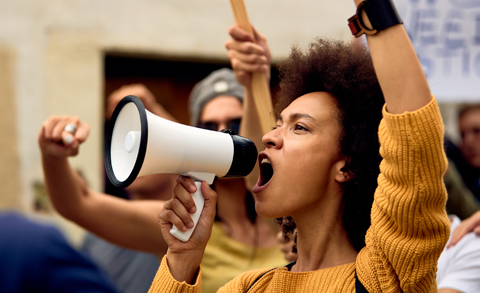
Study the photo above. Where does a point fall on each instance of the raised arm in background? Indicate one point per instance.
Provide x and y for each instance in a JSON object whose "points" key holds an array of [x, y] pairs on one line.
{"points": [[131, 224], [127, 223], [243, 65]]}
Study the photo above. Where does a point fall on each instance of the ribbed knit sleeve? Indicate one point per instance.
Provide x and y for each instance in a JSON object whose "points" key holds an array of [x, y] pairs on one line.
{"points": [[409, 226], [164, 282]]}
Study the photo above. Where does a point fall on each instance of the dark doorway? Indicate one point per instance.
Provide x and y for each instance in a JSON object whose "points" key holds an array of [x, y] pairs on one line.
{"points": [[169, 80]]}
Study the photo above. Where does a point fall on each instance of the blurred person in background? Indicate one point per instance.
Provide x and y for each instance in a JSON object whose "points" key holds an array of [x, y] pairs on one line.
{"points": [[461, 202], [459, 263], [469, 125], [36, 257], [131, 270], [467, 155]]}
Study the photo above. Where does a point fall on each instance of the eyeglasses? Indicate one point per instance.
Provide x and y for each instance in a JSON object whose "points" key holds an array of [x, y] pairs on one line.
{"points": [[233, 124]]}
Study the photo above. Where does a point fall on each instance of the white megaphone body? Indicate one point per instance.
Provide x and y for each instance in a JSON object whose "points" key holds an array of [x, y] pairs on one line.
{"points": [[140, 143]]}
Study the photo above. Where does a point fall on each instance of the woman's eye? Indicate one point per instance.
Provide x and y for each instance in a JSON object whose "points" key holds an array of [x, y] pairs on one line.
{"points": [[299, 127]]}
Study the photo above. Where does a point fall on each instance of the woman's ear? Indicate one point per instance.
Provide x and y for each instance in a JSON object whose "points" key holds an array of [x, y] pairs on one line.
{"points": [[342, 175]]}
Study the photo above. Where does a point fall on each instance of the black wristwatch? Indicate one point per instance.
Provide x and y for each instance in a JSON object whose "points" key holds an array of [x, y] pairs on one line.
{"points": [[381, 13]]}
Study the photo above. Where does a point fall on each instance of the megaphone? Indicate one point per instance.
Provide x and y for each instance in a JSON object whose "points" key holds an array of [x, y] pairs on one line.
{"points": [[140, 143]]}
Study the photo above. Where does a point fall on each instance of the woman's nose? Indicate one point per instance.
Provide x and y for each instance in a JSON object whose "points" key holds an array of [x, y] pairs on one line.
{"points": [[272, 139]]}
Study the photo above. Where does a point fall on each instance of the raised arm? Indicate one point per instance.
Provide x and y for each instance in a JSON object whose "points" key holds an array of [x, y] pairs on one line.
{"points": [[249, 53], [409, 226], [398, 69], [131, 224]]}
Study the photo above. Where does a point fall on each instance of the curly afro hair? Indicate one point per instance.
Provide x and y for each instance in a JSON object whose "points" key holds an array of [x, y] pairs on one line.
{"points": [[347, 73]]}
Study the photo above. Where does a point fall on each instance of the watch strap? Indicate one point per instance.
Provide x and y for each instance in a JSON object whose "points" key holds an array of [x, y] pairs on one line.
{"points": [[381, 13]]}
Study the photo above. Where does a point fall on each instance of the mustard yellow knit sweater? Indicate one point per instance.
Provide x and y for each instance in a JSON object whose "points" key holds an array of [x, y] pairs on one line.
{"points": [[409, 225]]}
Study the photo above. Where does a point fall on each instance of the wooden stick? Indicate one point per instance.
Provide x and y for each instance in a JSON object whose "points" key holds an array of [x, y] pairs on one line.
{"points": [[260, 88]]}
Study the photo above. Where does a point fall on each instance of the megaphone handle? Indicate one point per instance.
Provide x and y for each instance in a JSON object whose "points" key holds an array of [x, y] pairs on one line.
{"points": [[199, 202]]}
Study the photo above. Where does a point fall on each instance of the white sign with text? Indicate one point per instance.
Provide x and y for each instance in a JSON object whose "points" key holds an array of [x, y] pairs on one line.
{"points": [[446, 37]]}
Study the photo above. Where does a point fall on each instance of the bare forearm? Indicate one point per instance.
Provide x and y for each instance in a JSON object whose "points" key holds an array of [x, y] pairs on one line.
{"points": [[250, 128], [448, 290], [130, 224], [398, 70], [66, 189]]}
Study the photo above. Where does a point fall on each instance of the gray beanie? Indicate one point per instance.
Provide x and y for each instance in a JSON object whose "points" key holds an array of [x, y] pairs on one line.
{"points": [[221, 82]]}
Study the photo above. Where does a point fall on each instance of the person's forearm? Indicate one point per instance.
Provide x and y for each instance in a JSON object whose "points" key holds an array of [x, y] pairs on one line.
{"points": [[66, 189], [128, 224], [448, 290], [250, 128], [398, 70]]}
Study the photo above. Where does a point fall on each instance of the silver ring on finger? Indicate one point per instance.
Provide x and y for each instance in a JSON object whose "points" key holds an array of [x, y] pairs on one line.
{"points": [[71, 127]]}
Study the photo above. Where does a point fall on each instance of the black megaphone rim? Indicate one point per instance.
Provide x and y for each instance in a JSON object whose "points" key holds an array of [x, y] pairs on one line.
{"points": [[143, 141]]}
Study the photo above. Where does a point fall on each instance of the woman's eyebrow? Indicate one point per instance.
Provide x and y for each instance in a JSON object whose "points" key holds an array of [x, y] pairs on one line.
{"points": [[296, 116]]}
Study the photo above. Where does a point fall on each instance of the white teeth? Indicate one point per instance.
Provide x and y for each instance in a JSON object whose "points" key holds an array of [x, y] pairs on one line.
{"points": [[265, 161]]}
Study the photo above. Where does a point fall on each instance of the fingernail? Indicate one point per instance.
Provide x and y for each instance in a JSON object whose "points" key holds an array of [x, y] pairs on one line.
{"points": [[191, 224], [68, 139], [193, 210], [184, 229], [192, 189]]}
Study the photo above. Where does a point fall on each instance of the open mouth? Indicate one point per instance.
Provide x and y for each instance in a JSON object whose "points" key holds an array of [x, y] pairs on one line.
{"points": [[266, 171]]}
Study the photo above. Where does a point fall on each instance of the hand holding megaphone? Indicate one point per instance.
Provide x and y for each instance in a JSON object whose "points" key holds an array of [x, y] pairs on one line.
{"points": [[140, 143], [177, 212]]}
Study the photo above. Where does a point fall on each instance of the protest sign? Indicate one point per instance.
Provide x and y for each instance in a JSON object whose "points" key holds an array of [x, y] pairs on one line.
{"points": [[446, 37]]}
